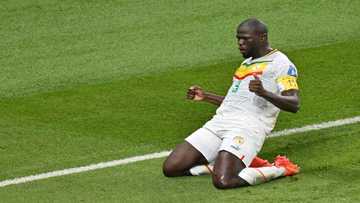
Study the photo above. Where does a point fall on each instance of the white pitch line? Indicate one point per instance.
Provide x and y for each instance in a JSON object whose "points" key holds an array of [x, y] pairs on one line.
{"points": [[319, 126], [162, 154], [81, 169]]}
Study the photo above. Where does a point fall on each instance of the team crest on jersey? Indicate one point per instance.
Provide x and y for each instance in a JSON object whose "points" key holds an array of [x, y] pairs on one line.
{"points": [[292, 71], [238, 140]]}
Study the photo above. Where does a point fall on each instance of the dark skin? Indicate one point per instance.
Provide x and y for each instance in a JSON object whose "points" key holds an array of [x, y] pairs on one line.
{"points": [[287, 101], [252, 42]]}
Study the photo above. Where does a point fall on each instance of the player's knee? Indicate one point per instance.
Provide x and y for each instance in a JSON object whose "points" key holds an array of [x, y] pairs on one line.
{"points": [[168, 169], [227, 183], [221, 183], [171, 169]]}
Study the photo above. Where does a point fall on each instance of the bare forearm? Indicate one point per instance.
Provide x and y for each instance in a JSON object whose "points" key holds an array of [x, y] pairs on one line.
{"points": [[213, 98], [284, 102]]}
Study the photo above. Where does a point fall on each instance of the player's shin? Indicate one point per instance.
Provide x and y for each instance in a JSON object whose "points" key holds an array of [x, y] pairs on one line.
{"points": [[256, 176]]}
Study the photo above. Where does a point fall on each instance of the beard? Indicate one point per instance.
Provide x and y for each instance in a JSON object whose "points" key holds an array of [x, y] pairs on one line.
{"points": [[250, 52], [245, 55]]}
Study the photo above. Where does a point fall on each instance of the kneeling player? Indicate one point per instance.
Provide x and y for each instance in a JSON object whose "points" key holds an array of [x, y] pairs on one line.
{"points": [[263, 84]]}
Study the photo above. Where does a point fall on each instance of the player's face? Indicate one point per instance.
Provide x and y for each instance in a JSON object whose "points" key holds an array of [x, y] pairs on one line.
{"points": [[248, 41]]}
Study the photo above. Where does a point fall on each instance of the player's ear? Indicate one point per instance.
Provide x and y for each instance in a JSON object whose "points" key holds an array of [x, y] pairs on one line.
{"points": [[263, 37]]}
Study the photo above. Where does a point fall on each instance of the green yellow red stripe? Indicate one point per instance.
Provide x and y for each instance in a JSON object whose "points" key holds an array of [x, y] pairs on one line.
{"points": [[244, 71]]}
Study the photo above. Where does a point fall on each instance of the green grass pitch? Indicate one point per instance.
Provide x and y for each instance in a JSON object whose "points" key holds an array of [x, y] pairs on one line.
{"points": [[87, 81]]}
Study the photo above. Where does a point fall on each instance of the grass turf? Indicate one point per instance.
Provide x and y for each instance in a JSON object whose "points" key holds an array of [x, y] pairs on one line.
{"points": [[89, 81], [109, 121], [54, 45], [329, 173]]}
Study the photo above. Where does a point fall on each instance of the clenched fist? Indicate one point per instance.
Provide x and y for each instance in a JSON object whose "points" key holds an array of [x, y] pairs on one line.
{"points": [[195, 93], [256, 86]]}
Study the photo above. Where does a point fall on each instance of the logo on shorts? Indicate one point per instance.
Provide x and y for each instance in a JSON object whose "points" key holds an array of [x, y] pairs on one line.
{"points": [[238, 140]]}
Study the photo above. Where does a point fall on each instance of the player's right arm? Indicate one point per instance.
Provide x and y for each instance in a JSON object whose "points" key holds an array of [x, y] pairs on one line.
{"points": [[196, 93]]}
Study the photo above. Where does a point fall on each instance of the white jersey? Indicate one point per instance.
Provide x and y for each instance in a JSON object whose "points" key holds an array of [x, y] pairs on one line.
{"points": [[242, 107]]}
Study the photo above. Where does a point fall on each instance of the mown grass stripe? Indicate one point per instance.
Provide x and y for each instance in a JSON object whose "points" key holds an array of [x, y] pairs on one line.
{"points": [[162, 154]]}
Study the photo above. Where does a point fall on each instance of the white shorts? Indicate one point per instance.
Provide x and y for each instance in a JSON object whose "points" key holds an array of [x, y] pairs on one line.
{"points": [[243, 142]]}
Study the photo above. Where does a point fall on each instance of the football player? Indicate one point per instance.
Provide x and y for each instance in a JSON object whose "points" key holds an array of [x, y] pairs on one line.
{"points": [[264, 84]]}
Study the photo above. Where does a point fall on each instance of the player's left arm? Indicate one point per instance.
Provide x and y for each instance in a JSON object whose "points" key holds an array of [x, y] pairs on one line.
{"points": [[288, 100]]}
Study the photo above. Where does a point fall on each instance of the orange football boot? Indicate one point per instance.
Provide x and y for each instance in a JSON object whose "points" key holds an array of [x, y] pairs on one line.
{"points": [[258, 162], [290, 168]]}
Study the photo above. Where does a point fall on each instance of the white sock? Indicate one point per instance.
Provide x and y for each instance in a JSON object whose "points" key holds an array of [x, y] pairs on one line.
{"points": [[201, 170], [256, 176]]}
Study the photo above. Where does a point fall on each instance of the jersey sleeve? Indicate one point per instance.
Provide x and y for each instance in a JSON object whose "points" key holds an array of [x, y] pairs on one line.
{"points": [[287, 78]]}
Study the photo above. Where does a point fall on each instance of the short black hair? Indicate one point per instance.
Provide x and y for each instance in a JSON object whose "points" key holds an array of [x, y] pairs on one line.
{"points": [[255, 24]]}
